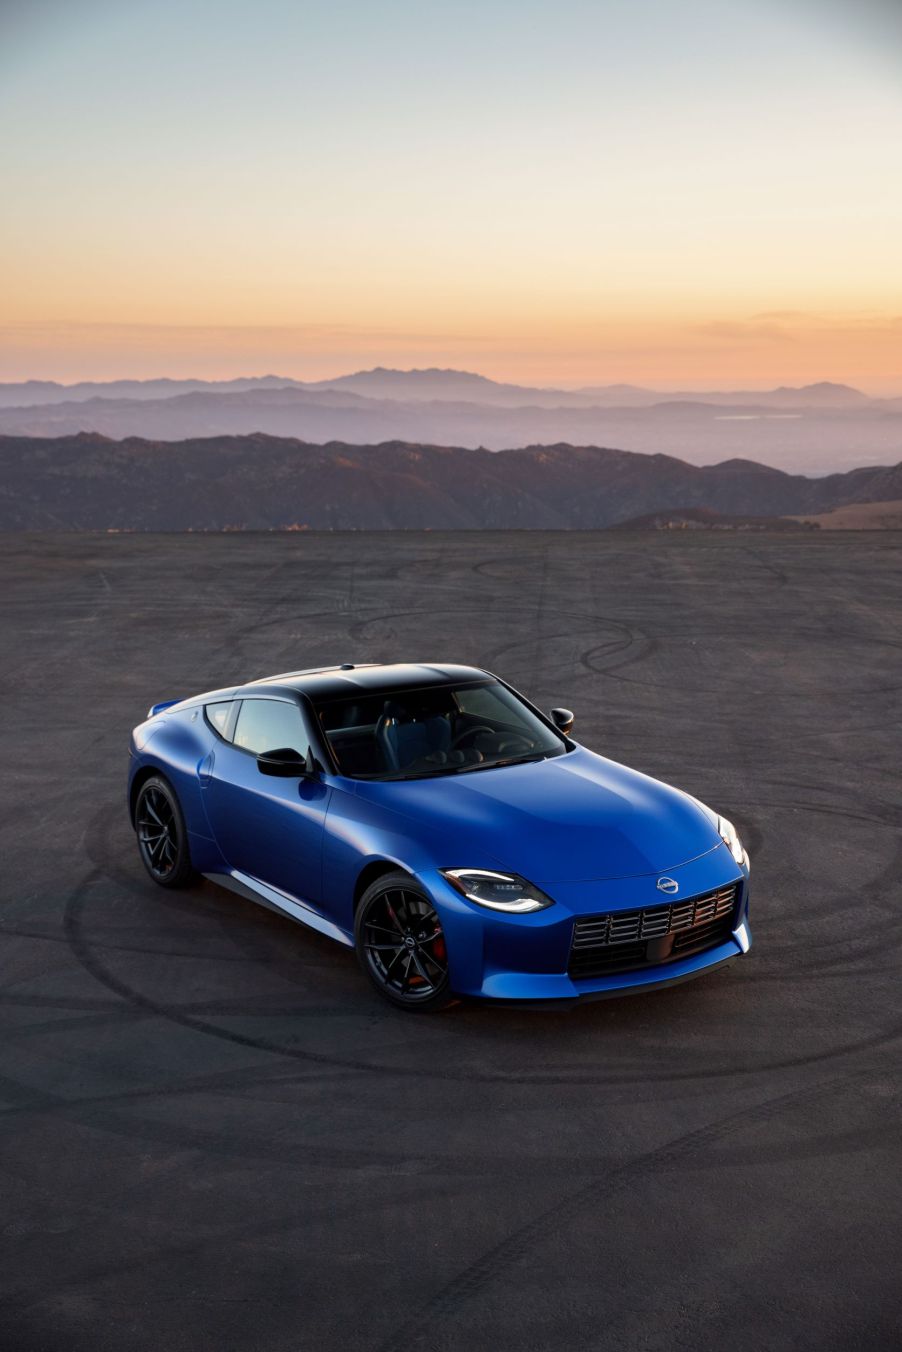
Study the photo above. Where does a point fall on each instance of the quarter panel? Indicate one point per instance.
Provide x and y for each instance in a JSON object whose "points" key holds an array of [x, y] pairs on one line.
{"points": [[177, 749]]}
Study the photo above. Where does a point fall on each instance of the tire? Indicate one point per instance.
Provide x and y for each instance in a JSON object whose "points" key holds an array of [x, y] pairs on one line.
{"points": [[411, 973], [162, 834]]}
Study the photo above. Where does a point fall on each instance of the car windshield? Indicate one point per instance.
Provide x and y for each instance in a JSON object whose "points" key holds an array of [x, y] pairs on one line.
{"points": [[440, 730]]}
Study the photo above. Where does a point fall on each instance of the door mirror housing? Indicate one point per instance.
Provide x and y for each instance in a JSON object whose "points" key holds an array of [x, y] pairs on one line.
{"points": [[562, 720], [286, 763]]}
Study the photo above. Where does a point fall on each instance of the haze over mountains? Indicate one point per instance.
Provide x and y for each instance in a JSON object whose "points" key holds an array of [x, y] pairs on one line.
{"points": [[261, 482], [816, 429]]}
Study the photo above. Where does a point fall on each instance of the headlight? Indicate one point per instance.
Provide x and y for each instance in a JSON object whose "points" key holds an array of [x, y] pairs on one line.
{"points": [[497, 891], [730, 837]]}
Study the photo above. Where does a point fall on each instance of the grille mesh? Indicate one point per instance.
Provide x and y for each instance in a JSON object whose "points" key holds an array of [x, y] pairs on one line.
{"points": [[623, 939]]}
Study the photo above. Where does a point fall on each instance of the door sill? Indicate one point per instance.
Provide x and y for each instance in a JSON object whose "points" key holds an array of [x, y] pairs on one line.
{"points": [[282, 902]]}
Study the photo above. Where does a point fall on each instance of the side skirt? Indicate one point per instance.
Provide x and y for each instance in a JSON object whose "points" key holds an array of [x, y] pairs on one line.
{"points": [[280, 902]]}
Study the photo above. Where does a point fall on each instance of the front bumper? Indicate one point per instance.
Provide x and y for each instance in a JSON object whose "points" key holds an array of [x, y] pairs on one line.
{"points": [[494, 956]]}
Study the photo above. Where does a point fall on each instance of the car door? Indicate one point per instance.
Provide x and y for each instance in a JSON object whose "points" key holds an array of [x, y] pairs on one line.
{"points": [[267, 827]]}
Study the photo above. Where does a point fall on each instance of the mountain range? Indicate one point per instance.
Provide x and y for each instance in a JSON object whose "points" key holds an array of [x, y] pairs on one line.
{"points": [[260, 482], [814, 429]]}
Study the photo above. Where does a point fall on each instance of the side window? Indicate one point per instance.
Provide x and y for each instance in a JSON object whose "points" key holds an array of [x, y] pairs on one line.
{"points": [[270, 725], [218, 715]]}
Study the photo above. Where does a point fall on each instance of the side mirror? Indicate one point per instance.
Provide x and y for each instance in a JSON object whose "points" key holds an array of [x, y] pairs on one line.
{"points": [[285, 763], [562, 720]]}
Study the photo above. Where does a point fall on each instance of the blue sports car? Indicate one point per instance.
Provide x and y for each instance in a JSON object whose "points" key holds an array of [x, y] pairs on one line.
{"points": [[451, 832]]}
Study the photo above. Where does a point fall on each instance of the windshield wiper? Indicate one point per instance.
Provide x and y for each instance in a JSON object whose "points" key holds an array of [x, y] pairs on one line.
{"points": [[509, 760], [414, 774], [457, 769]]}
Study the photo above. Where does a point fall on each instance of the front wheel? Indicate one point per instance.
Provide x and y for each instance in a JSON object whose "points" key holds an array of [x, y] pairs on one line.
{"points": [[162, 836], [401, 944]]}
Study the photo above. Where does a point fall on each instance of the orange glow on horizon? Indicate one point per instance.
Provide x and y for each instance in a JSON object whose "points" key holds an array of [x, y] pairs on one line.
{"points": [[758, 352], [544, 194]]}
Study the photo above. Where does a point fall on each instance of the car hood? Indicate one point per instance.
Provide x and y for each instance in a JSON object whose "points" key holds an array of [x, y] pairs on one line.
{"points": [[571, 818]]}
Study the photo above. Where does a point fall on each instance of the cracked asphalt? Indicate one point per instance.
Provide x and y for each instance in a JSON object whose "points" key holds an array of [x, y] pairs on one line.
{"points": [[213, 1135]]}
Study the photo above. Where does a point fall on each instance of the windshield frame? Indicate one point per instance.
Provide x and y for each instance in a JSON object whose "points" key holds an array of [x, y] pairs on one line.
{"points": [[564, 743]]}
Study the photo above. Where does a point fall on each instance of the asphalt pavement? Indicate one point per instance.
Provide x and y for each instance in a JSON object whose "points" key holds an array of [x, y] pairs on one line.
{"points": [[214, 1135]]}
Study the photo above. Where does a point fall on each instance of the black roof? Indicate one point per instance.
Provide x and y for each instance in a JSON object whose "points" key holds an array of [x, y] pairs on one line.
{"points": [[368, 678]]}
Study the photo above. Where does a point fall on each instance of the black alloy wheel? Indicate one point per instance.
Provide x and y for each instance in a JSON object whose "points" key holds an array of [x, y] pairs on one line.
{"points": [[162, 837], [401, 944]]}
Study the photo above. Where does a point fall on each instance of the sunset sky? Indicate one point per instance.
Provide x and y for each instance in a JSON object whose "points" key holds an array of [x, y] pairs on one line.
{"points": [[696, 194]]}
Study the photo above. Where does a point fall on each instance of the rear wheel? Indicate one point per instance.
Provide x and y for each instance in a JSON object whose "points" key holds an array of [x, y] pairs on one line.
{"points": [[162, 837], [401, 944]]}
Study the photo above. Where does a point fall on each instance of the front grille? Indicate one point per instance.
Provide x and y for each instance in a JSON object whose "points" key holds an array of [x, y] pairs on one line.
{"points": [[627, 939]]}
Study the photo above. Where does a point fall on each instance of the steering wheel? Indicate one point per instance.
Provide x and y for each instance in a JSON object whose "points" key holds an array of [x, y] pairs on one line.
{"points": [[517, 743], [469, 733]]}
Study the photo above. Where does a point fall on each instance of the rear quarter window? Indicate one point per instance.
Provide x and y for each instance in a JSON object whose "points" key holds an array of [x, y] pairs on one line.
{"points": [[219, 716]]}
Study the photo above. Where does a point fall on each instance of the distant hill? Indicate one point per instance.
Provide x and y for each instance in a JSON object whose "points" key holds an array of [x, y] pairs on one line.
{"points": [[450, 387], [703, 518], [824, 394], [260, 482], [36, 393], [883, 515], [703, 430], [433, 383]]}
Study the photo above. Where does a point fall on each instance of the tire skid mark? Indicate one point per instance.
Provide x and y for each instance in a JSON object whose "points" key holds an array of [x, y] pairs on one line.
{"points": [[262, 925], [99, 1019], [782, 692], [87, 958], [259, 1144], [24, 1299], [534, 1235], [476, 607], [647, 646], [774, 569], [111, 1112], [45, 1102], [140, 950], [245, 929]]}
